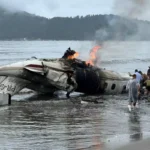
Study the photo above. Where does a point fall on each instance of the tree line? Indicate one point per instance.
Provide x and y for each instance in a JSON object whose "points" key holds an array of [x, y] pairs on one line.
{"points": [[15, 26]]}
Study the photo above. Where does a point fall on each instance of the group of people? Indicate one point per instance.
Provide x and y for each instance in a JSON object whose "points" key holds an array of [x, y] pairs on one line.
{"points": [[140, 84]]}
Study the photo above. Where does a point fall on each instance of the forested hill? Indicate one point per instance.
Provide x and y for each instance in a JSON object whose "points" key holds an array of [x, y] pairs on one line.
{"points": [[16, 26]]}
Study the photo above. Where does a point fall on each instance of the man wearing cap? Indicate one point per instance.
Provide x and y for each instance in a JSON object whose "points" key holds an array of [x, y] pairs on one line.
{"points": [[133, 88]]}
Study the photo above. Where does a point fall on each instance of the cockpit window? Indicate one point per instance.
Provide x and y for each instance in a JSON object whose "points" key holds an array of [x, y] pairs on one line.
{"points": [[124, 89], [113, 86]]}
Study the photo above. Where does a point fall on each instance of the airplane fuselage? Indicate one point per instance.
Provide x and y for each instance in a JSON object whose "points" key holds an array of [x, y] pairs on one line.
{"points": [[48, 76]]}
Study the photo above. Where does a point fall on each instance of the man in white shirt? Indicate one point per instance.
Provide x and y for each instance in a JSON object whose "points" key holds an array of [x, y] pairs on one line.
{"points": [[138, 76], [133, 88]]}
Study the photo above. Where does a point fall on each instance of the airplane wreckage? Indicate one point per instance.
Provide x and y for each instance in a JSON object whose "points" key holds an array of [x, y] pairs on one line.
{"points": [[67, 73]]}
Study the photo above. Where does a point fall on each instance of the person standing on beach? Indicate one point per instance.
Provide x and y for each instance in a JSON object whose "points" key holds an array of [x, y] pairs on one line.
{"points": [[138, 76], [133, 88], [148, 72]]}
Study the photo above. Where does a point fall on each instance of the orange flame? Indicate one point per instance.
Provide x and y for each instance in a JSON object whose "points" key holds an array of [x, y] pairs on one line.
{"points": [[73, 56], [93, 55]]}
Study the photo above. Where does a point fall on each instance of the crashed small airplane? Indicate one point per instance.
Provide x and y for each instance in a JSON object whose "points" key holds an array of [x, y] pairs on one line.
{"points": [[67, 73]]}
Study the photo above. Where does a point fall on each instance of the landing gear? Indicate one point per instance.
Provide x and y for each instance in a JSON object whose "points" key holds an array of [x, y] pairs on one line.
{"points": [[68, 95], [72, 84]]}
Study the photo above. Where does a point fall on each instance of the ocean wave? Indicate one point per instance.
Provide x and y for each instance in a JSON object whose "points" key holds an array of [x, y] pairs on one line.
{"points": [[125, 61]]}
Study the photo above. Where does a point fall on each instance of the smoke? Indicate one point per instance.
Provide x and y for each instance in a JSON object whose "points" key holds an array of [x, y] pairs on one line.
{"points": [[38, 7], [125, 26], [132, 8]]}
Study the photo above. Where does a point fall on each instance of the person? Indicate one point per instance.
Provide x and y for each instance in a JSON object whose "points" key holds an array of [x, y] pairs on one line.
{"points": [[140, 72], [68, 52], [147, 82], [141, 78], [148, 71], [138, 76], [145, 77], [141, 91], [133, 88]]}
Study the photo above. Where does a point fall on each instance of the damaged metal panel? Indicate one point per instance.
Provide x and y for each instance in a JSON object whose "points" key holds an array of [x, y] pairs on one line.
{"points": [[88, 81]]}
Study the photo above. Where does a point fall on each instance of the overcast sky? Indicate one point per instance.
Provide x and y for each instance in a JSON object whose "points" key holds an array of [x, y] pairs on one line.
{"points": [[52, 8]]}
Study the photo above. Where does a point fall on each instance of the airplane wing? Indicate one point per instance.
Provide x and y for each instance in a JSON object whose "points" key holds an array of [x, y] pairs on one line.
{"points": [[11, 85]]}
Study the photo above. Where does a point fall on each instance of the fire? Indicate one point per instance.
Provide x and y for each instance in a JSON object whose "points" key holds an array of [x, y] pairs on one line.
{"points": [[75, 55], [93, 55], [92, 58]]}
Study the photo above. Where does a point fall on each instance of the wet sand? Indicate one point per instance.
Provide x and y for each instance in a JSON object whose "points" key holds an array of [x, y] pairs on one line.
{"points": [[41, 122]]}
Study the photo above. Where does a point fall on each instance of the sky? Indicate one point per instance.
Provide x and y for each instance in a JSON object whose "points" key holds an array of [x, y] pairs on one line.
{"points": [[139, 9], [53, 8]]}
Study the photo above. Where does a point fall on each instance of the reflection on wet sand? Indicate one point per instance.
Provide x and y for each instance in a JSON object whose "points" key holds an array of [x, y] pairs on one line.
{"points": [[63, 124], [83, 135], [134, 124]]}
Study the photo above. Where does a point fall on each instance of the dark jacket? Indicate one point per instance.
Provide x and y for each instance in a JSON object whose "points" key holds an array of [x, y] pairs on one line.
{"points": [[148, 71]]}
